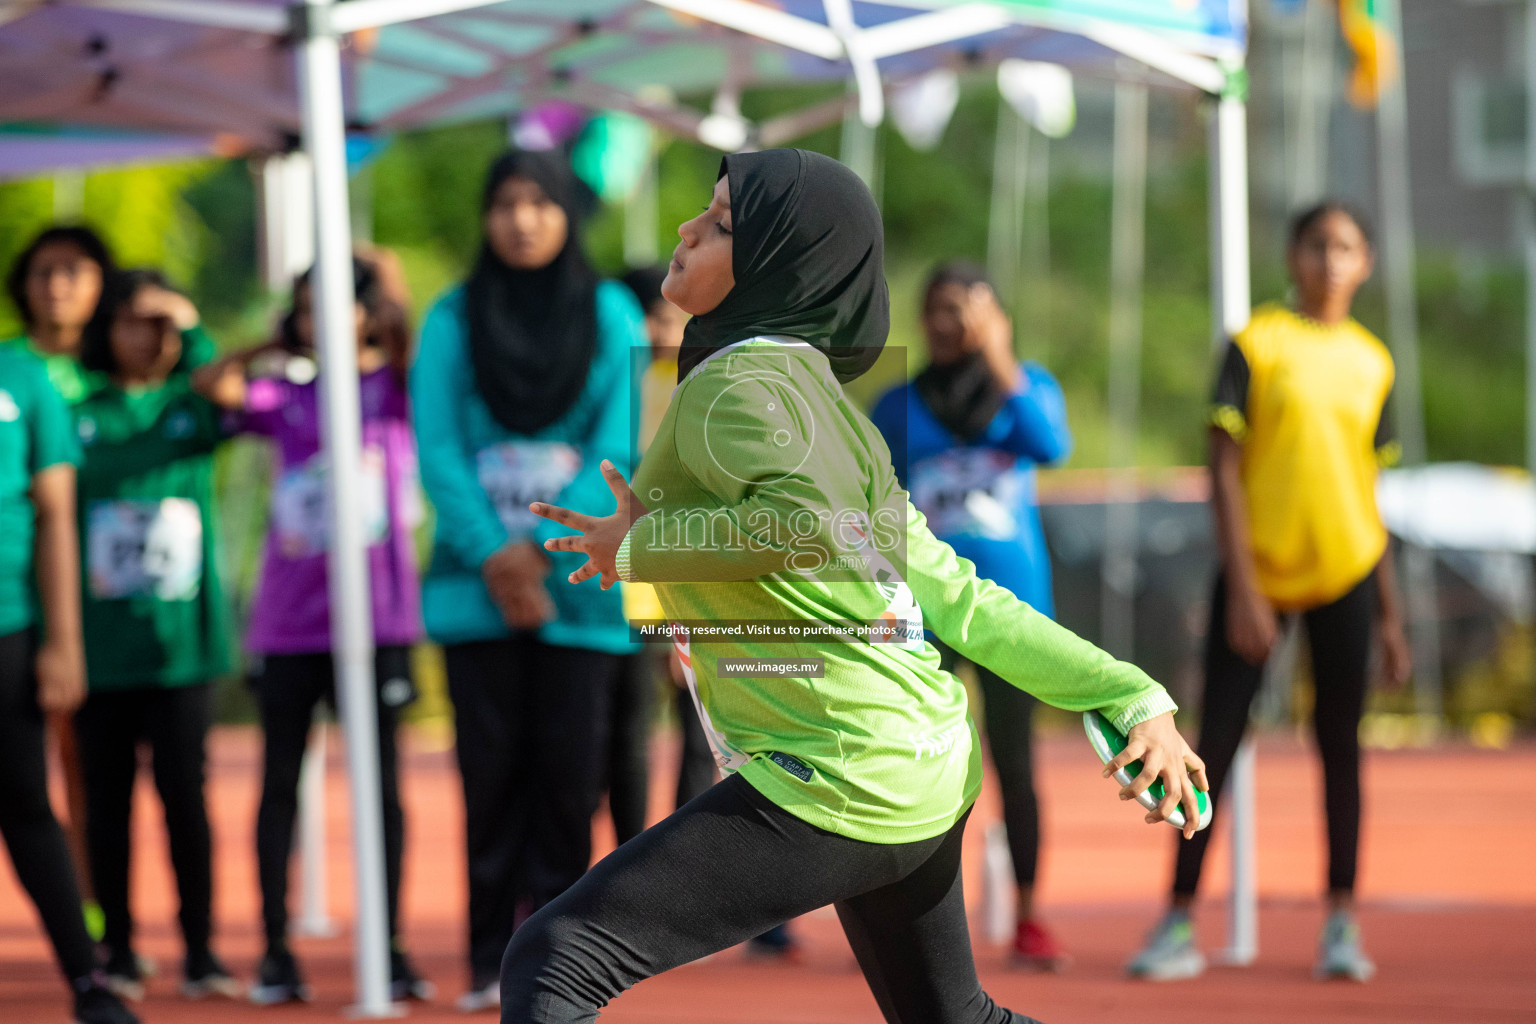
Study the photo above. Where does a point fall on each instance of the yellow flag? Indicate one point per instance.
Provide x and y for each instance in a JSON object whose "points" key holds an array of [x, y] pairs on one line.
{"points": [[1376, 56]]}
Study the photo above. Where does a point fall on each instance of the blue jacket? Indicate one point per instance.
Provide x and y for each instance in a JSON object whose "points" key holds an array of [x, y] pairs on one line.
{"points": [[980, 497], [481, 477]]}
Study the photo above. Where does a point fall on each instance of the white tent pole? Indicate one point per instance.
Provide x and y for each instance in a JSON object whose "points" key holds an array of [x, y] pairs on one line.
{"points": [[1231, 302], [857, 143], [1036, 307], [1399, 264], [641, 243], [351, 629], [1530, 235], [1127, 259], [314, 886], [253, 17], [1013, 289], [1002, 256]]}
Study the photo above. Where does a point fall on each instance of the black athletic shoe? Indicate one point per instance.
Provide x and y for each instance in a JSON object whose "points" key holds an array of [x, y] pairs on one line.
{"points": [[404, 982], [95, 1004], [206, 976], [278, 981], [123, 975]]}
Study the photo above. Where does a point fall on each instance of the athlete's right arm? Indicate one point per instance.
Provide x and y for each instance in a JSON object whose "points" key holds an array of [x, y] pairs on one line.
{"points": [[989, 626]]}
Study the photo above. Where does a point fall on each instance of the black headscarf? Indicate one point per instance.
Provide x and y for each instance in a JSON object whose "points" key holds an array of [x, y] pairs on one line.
{"points": [[532, 333], [963, 395], [807, 252]]}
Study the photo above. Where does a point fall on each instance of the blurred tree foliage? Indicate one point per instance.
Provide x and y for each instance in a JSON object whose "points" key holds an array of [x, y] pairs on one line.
{"points": [[197, 220]]}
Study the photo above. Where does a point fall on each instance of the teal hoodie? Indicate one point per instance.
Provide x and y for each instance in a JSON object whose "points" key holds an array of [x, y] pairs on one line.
{"points": [[481, 476]]}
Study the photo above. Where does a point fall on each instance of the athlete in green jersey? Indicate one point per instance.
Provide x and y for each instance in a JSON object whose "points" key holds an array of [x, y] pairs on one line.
{"points": [[768, 517]]}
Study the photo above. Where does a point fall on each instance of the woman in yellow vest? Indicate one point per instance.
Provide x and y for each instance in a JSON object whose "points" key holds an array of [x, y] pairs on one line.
{"points": [[1298, 430]]}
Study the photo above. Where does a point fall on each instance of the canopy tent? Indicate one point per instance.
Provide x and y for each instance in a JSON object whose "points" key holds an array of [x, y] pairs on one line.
{"points": [[224, 66], [273, 73]]}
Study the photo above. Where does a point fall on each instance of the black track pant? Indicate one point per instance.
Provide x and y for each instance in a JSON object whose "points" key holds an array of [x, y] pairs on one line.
{"points": [[31, 832], [1339, 635], [629, 745], [174, 722], [532, 724], [724, 868], [1009, 719], [288, 689]]}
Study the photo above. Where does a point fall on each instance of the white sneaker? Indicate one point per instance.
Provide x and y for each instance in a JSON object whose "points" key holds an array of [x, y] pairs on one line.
{"points": [[1169, 953], [478, 1000], [1338, 950]]}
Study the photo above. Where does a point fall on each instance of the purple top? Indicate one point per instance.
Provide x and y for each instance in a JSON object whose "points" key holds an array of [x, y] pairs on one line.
{"points": [[292, 613]]}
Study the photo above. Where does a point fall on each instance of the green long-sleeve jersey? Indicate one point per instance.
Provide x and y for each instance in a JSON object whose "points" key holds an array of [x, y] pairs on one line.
{"points": [[771, 499]]}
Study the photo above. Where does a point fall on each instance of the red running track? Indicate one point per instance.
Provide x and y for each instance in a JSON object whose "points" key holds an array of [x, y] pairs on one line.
{"points": [[1448, 891]]}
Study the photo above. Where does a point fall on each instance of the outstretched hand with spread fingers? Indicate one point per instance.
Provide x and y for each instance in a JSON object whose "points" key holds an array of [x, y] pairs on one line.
{"points": [[600, 536], [1165, 756]]}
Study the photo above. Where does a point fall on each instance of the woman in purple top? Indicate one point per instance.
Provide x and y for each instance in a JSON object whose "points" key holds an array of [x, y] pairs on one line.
{"points": [[289, 633]]}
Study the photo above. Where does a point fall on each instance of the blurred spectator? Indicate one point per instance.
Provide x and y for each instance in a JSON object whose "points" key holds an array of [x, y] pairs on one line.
{"points": [[42, 670], [290, 629], [1298, 427], [965, 437], [521, 389], [154, 612], [56, 284]]}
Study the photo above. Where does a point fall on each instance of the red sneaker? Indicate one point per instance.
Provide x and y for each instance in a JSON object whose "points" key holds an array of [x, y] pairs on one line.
{"points": [[1037, 949]]}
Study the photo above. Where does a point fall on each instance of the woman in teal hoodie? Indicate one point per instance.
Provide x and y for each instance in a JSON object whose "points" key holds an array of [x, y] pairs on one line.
{"points": [[520, 388]]}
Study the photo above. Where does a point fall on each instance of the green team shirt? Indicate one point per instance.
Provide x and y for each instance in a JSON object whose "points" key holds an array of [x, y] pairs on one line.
{"points": [[153, 609], [772, 499], [36, 432], [75, 383]]}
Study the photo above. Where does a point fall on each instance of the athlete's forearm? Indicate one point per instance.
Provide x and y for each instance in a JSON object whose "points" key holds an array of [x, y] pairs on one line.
{"points": [[56, 550], [991, 627], [1388, 606], [1231, 510]]}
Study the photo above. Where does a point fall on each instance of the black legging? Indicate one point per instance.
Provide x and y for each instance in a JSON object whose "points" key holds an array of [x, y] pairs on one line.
{"points": [[723, 869], [629, 745], [288, 689], [174, 721], [532, 724], [32, 834], [1008, 713], [1340, 638]]}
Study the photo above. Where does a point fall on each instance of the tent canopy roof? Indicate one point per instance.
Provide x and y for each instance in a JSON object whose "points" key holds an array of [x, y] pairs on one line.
{"points": [[199, 67]]}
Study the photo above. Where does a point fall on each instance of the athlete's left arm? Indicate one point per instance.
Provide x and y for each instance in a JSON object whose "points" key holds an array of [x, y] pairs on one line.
{"points": [[990, 626], [1397, 657]]}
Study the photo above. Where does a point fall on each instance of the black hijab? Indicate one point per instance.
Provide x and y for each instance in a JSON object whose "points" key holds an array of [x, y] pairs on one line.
{"points": [[807, 252], [963, 395], [532, 333]]}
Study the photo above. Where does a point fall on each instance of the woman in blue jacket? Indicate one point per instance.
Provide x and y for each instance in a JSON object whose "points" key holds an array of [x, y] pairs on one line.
{"points": [[520, 388], [965, 436]]}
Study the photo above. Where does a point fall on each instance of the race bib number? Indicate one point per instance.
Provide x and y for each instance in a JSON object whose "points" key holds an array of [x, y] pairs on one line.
{"points": [[144, 548], [968, 491], [301, 508], [517, 473]]}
